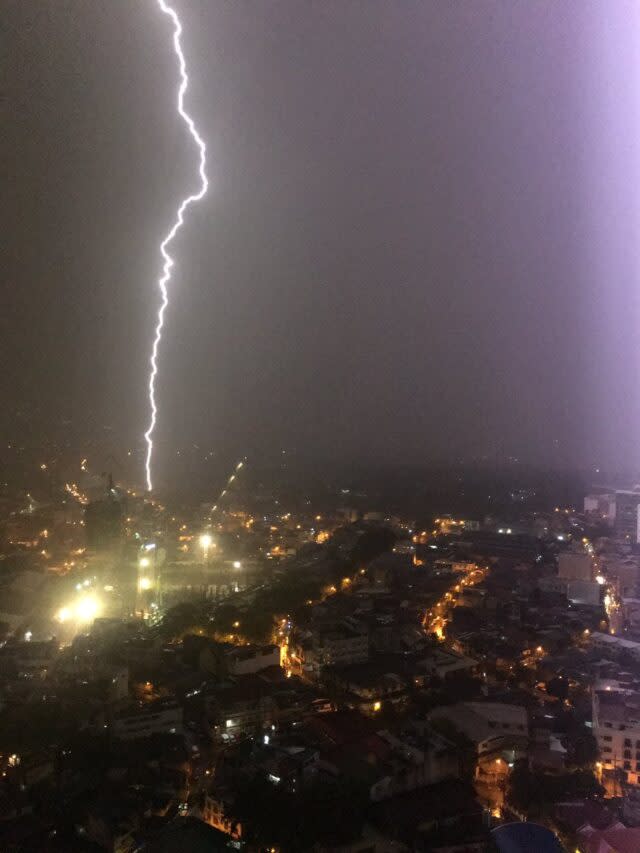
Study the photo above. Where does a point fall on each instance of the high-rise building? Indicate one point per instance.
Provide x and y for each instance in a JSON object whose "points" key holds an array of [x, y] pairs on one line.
{"points": [[627, 521]]}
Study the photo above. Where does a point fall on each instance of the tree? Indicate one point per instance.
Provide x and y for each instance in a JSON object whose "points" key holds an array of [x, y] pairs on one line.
{"points": [[584, 749], [558, 687], [373, 542], [179, 619], [530, 791], [326, 813], [464, 748]]}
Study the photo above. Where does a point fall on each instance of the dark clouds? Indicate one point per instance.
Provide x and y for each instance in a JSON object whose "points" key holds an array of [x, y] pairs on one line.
{"points": [[420, 241]]}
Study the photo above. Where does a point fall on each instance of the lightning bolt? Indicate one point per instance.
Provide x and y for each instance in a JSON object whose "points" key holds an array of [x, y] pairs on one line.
{"points": [[168, 261]]}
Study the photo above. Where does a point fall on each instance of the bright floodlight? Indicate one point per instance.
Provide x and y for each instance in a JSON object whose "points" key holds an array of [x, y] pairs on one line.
{"points": [[63, 614], [144, 583], [144, 562], [237, 564], [206, 540], [87, 609]]}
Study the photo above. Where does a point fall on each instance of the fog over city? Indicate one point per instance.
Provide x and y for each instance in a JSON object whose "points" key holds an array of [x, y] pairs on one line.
{"points": [[319, 471]]}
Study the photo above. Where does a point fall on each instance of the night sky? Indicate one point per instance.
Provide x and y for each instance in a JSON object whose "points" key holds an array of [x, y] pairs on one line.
{"points": [[420, 242]]}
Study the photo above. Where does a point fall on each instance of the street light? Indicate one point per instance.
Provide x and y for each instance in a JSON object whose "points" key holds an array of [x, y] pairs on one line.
{"points": [[206, 541], [237, 564]]}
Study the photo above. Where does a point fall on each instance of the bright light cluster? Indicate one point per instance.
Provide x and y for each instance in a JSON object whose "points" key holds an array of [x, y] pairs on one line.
{"points": [[85, 609], [179, 221]]}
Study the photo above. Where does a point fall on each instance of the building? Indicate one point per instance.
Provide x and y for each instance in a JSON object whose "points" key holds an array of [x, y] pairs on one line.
{"points": [[602, 506], [553, 584], [353, 746], [626, 523], [627, 571], [247, 660], [585, 592], [615, 839], [490, 726], [631, 612], [342, 644], [616, 646], [575, 565], [616, 726], [217, 812], [447, 665], [241, 707], [161, 717]]}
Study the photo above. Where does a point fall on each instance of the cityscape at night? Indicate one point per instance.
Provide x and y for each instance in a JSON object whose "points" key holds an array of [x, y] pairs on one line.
{"points": [[319, 469]]}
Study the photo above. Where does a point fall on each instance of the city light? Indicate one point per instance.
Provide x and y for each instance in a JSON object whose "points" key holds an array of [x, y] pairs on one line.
{"points": [[206, 540], [237, 564], [145, 583], [63, 614], [144, 562], [87, 609], [168, 261]]}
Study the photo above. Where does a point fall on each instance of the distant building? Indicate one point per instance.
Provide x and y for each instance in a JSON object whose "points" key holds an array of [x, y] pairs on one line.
{"points": [[246, 660], [616, 646], [616, 726], [575, 565], [341, 644], [585, 592], [447, 665], [627, 570], [631, 611], [553, 584], [614, 839], [602, 506], [490, 726], [627, 518], [160, 717], [30, 657]]}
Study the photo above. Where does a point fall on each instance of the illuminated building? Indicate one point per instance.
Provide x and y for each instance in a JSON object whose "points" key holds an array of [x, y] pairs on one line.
{"points": [[616, 726]]}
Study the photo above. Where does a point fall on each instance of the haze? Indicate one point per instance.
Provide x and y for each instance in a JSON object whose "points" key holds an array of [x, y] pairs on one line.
{"points": [[420, 240]]}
